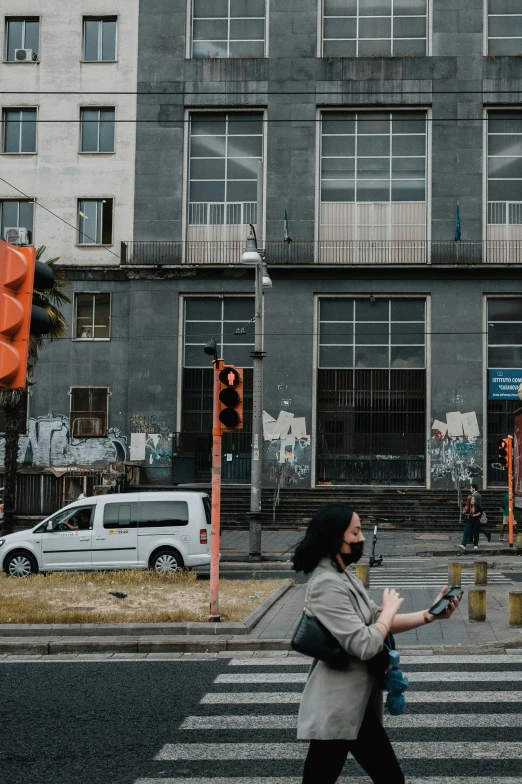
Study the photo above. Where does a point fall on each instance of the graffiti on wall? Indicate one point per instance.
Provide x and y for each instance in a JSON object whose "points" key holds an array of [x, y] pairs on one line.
{"points": [[286, 449], [456, 448], [48, 442], [151, 446]]}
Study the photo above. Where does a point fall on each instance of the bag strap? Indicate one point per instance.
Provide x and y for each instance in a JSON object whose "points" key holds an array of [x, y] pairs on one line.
{"points": [[307, 597]]}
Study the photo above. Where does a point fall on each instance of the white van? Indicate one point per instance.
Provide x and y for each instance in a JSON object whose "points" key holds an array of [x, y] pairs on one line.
{"points": [[162, 530]]}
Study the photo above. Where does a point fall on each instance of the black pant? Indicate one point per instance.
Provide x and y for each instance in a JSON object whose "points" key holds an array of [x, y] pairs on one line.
{"points": [[372, 750]]}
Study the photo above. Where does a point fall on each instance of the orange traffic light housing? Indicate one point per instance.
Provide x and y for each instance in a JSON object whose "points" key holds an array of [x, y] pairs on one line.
{"points": [[502, 453], [17, 265], [230, 399]]}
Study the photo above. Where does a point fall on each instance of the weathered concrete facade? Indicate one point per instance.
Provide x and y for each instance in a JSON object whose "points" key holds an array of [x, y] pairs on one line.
{"points": [[455, 84]]}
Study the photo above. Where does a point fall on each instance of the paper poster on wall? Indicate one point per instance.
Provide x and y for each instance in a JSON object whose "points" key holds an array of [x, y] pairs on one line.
{"points": [[454, 424], [284, 420], [470, 425], [137, 446]]}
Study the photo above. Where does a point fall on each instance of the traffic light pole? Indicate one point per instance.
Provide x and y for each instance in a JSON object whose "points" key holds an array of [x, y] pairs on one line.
{"points": [[254, 548], [510, 487], [215, 526]]}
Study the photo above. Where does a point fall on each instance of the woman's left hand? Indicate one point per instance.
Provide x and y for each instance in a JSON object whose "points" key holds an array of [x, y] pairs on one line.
{"points": [[450, 609]]}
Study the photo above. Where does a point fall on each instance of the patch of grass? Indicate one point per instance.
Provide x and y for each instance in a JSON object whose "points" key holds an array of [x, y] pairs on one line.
{"points": [[84, 597]]}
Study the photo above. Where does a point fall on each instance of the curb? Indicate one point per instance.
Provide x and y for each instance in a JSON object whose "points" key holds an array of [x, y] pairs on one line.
{"points": [[140, 630], [211, 645]]}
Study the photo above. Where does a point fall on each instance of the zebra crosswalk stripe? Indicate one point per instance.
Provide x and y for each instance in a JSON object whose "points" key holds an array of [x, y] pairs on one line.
{"points": [[303, 661], [413, 677], [471, 750], [250, 731], [416, 720], [290, 697], [342, 780]]}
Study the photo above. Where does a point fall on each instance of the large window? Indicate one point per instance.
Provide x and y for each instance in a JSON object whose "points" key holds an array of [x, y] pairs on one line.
{"points": [[89, 407], [228, 28], [95, 221], [372, 333], [97, 129], [373, 156], [505, 332], [373, 186], [228, 321], [99, 39], [504, 183], [504, 347], [92, 316], [371, 403], [19, 133], [22, 33], [505, 27], [224, 154], [16, 214], [374, 28]]}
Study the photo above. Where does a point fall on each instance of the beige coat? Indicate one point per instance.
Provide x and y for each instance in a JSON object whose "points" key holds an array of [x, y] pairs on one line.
{"points": [[334, 700]]}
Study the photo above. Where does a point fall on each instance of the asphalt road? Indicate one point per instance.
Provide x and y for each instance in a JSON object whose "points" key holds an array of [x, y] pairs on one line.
{"points": [[93, 723], [144, 722]]}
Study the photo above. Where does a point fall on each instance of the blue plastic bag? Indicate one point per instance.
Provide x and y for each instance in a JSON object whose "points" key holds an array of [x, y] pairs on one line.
{"points": [[396, 684]]}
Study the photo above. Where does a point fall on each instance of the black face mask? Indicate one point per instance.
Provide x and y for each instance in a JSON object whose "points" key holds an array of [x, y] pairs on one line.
{"points": [[356, 554]]}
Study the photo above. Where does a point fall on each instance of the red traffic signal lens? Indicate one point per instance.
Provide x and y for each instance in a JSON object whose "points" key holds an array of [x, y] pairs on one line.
{"points": [[502, 444], [229, 377]]}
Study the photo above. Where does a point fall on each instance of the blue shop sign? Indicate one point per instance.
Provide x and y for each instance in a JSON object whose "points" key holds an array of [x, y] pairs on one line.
{"points": [[503, 384]]}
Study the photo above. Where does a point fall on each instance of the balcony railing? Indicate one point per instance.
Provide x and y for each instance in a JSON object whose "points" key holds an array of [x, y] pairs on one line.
{"points": [[345, 252]]}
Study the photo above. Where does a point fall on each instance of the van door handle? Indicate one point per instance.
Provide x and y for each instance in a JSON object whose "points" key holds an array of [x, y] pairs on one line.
{"points": [[84, 538], [101, 537]]}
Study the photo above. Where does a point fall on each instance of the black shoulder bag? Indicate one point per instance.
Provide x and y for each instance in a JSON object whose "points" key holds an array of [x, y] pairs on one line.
{"points": [[312, 638]]}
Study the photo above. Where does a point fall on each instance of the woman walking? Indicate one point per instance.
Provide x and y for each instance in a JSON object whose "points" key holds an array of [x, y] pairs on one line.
{"points": [[341, 710]]}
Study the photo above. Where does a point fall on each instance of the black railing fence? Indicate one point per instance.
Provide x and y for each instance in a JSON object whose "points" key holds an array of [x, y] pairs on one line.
{"points": [[351, 252]]}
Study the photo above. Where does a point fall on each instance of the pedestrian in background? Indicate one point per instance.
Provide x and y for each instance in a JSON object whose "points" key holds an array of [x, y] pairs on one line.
{"points": [[473, 512], [341, 709], [505, 519]]}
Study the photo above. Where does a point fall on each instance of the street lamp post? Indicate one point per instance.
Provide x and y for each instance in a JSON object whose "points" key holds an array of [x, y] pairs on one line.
{"points": [[262, 280]]}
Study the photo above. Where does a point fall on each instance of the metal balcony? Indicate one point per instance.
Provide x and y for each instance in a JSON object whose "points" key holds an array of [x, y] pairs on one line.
{"points": [[331, 252]]}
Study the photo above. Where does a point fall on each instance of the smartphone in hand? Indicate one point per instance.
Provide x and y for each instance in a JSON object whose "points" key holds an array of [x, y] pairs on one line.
{"points": [[439, 607]]}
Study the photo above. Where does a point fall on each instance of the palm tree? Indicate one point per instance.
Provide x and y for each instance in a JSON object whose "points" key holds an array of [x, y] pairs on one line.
{"points": [[12, 400]]}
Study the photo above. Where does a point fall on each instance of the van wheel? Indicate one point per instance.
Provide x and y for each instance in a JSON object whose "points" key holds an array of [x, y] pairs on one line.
{"points": [[20, 564], [166, 561]]}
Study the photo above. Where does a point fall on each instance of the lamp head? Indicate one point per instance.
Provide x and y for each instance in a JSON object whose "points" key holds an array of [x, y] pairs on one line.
{"points": [[267, 280], [251, 253], [211, 348]]}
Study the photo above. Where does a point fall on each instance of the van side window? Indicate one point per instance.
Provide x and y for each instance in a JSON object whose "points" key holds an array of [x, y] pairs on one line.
{"points": [[208, 511], [120, 515], [159, 514]]}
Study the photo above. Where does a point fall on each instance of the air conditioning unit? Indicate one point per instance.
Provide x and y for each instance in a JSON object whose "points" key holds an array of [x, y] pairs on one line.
{"points": [[87, 426], [25, 56], [17, 235]]}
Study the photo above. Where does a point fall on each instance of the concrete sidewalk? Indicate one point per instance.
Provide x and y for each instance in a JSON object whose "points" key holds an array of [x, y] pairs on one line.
{"points": [[280, 621], [392, 544]]}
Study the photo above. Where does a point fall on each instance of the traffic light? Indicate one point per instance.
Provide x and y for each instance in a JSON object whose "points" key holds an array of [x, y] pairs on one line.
{"points": [[19, 318], [502, 453], [231, 398], [16, 295]]}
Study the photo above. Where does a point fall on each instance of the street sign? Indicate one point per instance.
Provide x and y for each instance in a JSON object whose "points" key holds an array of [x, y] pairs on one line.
{"points": [[504, 383]]}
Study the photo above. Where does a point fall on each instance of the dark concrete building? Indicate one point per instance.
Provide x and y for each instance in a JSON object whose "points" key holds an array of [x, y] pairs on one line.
{"points": [[390, 133]]}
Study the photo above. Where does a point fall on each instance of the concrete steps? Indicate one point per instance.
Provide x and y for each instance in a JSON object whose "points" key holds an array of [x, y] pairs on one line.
{"points": [[415, 508]]}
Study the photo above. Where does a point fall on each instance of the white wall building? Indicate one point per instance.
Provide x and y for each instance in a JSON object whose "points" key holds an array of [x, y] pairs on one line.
{"points": [[77, 159]]}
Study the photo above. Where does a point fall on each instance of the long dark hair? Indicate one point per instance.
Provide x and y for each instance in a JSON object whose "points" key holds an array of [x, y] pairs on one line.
{"points": [[324, 536]]}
